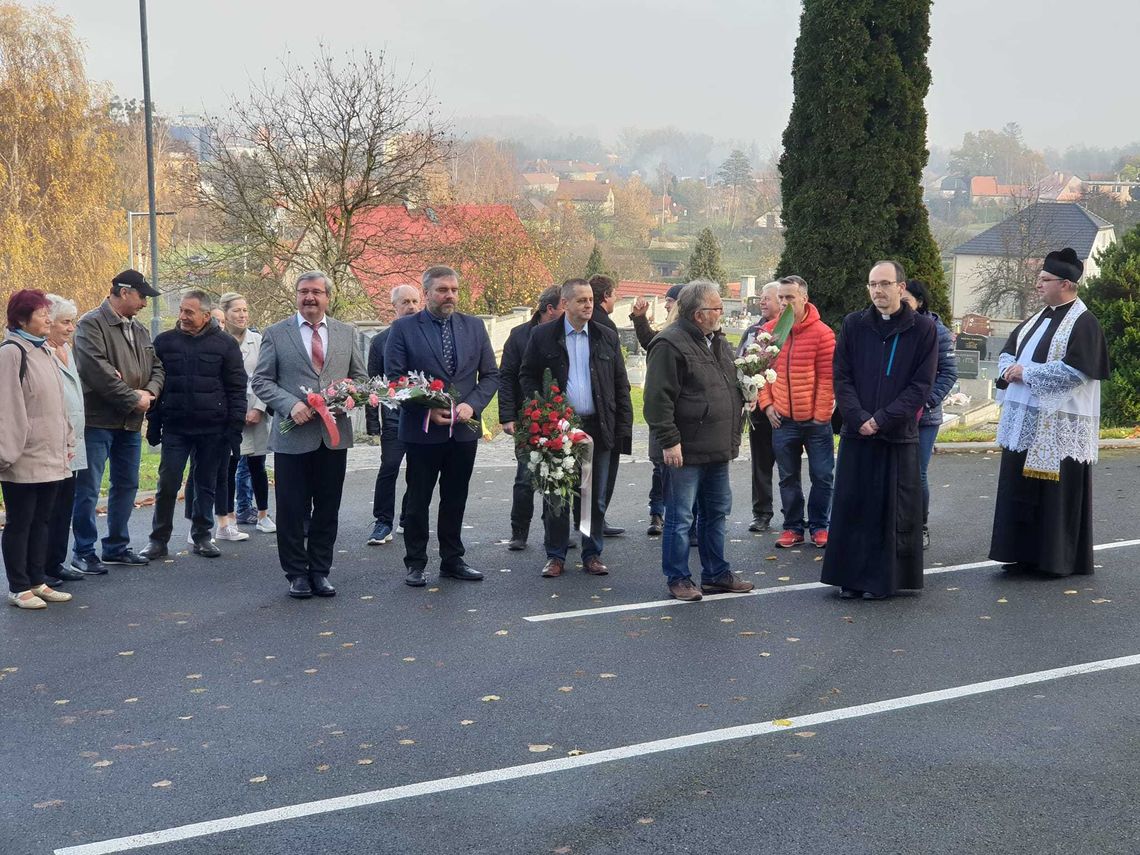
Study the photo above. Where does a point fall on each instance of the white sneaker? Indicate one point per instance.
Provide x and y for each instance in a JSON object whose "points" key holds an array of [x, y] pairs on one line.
{"points": [[26, 600], [230, 532], [266, 525]]}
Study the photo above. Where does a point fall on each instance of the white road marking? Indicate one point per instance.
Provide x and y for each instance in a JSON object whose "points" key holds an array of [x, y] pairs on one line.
{"points": [[761, 592], [563, 764]]}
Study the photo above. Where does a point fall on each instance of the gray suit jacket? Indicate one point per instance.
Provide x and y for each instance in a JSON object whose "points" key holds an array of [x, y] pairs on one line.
{"points": [[284, 366]]}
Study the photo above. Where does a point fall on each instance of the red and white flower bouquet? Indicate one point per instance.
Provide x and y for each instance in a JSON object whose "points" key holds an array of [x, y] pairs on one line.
{"points": [[336, 399], [420, 390], [555, 447]]}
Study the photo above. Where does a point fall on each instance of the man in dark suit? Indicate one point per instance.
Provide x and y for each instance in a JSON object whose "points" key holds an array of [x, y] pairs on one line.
{"points": [[311, 350], [446, 345], [585, 360], [383, 422], [510, 402], [605, 296]]}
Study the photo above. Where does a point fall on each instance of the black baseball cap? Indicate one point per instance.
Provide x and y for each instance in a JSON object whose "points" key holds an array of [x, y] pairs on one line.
{"points": [[134, 279]]}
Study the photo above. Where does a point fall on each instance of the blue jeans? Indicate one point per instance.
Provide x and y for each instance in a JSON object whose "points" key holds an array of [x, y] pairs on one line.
{"points": [[244, 495], [705, 486], [926, 436], [788, 442], [124, 449]]}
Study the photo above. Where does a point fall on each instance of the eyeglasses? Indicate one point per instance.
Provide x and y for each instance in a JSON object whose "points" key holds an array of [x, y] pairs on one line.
{"points": [[880, 286], [305, 292]]}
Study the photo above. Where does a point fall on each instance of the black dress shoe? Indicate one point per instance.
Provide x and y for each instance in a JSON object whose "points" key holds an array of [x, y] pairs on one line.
{"points": [[89, 565], [68, 574], [153, 550], [300, 589], [656, 525], [415, 577], [125, 558], [612, 531], [207, 549], [321, 586], [518, 541], [53, 581], [461, 571], [761, 523]]}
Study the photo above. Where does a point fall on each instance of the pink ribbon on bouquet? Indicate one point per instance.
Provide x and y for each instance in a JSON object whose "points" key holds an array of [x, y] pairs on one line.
{"points": [[450, 426]]}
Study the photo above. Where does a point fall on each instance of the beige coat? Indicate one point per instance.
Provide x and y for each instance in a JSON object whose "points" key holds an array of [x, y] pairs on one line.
{"points": [[35, 433]]}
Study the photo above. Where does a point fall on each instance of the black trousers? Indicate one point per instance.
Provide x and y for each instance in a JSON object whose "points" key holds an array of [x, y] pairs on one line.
{"points": [[611, 476], [223, 496], [450, 463], [522, 496], [763, 460], [177, 448], [308, 489], [59, 526], [384, 496], [24, 543]]}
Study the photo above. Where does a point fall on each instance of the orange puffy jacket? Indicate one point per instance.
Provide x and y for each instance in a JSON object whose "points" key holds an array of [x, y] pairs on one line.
{"points": [[803, 391]]}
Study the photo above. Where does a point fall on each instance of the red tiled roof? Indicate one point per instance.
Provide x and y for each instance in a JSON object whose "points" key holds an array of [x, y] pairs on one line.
{"points": [[582, 191], [637, 288]]}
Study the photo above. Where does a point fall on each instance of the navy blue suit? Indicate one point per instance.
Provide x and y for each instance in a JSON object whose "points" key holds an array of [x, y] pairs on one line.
{"points": [[414, 344]]}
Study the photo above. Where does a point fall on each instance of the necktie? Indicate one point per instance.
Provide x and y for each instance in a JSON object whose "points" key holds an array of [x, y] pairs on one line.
{"points": [[448, 347], [318, 348]]}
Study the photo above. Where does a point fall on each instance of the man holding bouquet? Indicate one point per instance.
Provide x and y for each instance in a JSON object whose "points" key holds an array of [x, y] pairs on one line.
{"points": [[584, 359], [440, 444], [310, 350]]}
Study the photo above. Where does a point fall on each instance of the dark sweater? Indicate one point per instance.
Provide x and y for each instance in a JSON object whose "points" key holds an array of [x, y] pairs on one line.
{"points": [[885, 369], [692, 396], [510, 391], [205, 388]]}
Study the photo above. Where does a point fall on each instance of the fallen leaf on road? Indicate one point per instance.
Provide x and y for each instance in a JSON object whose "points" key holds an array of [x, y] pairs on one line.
{"points": [[325, 634], [575, 752], [782, 722], [102, 764], [407, 742], [193, 676], [783, 578], [310, 670], [49, 803], [769, 557], [1003, 600], [645, 820], [806, 734], [728, 620], [1100, 600], [502, 632], [765, 654], [565, 688], [791, 638], [132, 653], [538, 748], [61, 703], [260, 779], [324, 767], [467, 721], [364, 761], [1071, 591], [487, 698], [747, 633], [130, 700], [409, 659], [607, 676], [161, 784]]}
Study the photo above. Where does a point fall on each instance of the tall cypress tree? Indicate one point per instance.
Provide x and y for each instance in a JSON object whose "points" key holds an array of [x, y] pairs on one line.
{"points": [[854, 150], [704, 263], [595, 264]]}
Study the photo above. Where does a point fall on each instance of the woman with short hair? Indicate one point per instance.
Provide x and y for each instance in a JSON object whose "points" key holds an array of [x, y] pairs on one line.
{"points": [[36, 443], [63, 315]]}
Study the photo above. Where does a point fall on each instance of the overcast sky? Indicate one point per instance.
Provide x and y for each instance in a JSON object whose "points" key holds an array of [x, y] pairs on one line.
{"points": [[1064, 71]]}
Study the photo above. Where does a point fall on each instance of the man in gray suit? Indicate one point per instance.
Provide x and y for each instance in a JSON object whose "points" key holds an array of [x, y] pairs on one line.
{"points": [[309, 350]]}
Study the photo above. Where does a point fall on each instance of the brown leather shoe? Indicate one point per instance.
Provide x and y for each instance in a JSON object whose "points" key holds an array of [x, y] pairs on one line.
{"points": [[726, 583], [595, 567], [554, 567], [684, 589]]}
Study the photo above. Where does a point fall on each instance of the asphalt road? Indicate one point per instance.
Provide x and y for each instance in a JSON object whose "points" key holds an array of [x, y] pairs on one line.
{"points": [[193, 691]]}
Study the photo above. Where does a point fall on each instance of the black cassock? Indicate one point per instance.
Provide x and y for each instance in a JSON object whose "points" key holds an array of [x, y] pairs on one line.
{"points": [[1046, 526]]}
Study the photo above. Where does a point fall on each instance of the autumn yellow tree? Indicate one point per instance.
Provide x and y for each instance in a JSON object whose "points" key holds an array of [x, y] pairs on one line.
{"points": [[633, 213], [59, 228]]}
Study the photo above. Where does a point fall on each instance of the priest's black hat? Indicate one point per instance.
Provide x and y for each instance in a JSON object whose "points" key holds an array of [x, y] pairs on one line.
{"points": [[1064, 264]]}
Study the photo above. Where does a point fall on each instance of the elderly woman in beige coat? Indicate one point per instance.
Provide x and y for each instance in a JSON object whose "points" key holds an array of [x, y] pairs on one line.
{"points": [[36, 443]]}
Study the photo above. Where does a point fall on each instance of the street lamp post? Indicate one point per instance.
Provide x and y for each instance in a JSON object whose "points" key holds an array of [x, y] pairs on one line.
{"points": [[156, 310], [148, 110]]}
